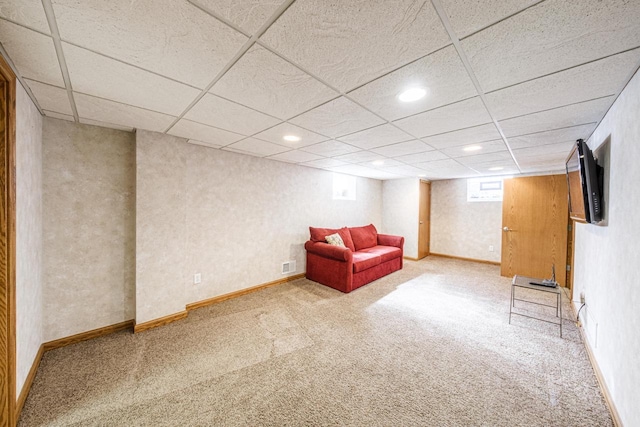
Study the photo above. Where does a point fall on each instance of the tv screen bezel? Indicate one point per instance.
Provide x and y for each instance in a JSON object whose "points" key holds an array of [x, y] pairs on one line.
{"points": [[589, 172]]}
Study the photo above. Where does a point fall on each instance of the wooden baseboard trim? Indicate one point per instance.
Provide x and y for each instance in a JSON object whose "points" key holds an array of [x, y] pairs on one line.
{"points": [[482, 261], [411, 258], [161, 321], [596, 369], [241, 292], [26, 387], [83, 336]]}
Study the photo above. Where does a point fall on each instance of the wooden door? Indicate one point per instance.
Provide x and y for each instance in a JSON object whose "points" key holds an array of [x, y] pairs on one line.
{"points": [[424, 229], [7, 245], [534, 220]]}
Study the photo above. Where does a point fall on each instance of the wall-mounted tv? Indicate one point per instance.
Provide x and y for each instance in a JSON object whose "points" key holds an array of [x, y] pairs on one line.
{"points": [[584, 178]]}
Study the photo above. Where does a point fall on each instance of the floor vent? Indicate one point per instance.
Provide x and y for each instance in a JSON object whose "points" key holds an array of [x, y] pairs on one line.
{"points": [[288, 267]]}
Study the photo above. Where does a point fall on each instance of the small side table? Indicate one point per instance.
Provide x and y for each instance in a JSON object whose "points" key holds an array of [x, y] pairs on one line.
{"points": [[524, 282]]}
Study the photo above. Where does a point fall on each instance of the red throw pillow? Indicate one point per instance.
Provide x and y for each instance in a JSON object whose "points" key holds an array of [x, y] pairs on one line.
{"points": [[319, 234], [364, 237]]}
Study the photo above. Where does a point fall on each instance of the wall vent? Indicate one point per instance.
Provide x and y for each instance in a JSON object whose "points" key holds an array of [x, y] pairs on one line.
{"points": [[288, 267]]}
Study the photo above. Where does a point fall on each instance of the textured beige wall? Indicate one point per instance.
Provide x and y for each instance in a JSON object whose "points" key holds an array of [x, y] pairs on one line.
{"points": [[29, 315], [233, 218], [605, 263], [89, 226], [161, 252], [461, 228], [401, 210]]}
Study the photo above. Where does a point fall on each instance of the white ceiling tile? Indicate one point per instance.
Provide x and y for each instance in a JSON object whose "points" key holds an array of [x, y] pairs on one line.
{"points": [[192, 130], [440, 165], [406, 170], [25, 12], [471, 135], [376, 137], [58, 115], [105, 125], [486, 147], [331, 148], [570, 134], [358, 157], [33, 54], [349, 43], [570, 115], [257, 147], [277, 133], [175, 39], [467, 17], [383, 163], [295, 156], [597, 79], [558, 149], [364, 171], [403, 148], [249, 15], [428, 156], [324, 163], [551, 36], [51, 98], [203, 143], [441, 74], [97, 75], [267, 83], [496, 157], [215, 111], [338, 117], [498, 167], [463, 114], [103, 110]]}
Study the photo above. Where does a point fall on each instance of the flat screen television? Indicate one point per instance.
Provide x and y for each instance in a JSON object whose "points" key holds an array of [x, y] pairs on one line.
{"points": [[584, 179]]}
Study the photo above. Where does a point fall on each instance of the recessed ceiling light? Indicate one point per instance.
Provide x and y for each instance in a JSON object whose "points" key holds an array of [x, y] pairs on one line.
{"points": [[291, 138], [378, 163], [497, 168], [472, 148], [412, 94], [422, 175]]}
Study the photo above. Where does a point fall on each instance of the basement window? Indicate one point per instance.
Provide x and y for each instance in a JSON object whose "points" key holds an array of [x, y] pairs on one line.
{"points": [[484, 189], [344, 187]]}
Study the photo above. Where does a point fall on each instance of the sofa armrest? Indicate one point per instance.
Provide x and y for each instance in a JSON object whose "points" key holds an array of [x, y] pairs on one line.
{"points": [[329, 251], [390, 240]]}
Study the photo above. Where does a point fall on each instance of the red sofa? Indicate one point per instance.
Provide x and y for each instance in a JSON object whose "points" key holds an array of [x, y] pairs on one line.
{"points": [[366, 257]]}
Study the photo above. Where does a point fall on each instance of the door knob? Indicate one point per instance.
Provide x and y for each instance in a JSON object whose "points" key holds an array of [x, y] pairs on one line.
{"points": [[421, 222], [506, 229]]}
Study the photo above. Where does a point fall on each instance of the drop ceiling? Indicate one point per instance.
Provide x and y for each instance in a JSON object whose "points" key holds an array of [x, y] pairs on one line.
{"points": [[510, 84]]}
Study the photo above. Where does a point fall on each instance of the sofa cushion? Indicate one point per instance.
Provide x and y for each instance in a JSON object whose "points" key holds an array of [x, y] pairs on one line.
{"points": [[363, 261], [364, 237], [386, 253], [320, 235], [335, 240]]}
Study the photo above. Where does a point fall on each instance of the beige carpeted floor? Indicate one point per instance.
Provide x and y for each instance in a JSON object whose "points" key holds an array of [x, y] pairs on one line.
{"points": [[429, 345]]}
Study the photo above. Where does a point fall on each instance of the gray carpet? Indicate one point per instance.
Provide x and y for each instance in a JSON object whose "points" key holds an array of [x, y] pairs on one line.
{"points": [[429, 345]]}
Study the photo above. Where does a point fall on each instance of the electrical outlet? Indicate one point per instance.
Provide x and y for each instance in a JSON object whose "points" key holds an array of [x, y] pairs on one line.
{"points": [[490, 248], [582, 299], [197, 278]]}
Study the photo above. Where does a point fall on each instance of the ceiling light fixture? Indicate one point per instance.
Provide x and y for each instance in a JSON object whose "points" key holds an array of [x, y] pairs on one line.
{"points": [[291, 138], [472, 148], [422, 175], [412, 94], [497, 168], [378, 163]]}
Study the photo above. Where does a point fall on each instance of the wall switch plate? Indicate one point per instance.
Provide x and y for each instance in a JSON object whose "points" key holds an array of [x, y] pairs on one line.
{"points": [[490, 248], [197, 278]]}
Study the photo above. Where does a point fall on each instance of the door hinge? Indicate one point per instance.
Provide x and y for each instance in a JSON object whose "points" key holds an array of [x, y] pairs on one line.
{"points": [[569, 227], [568, 267]]}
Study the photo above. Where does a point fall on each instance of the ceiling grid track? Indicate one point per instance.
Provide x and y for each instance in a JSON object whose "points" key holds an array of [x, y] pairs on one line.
{"points": [[57, 42], [26, 87], [465, 61], [281, 9], [346, 95]]}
